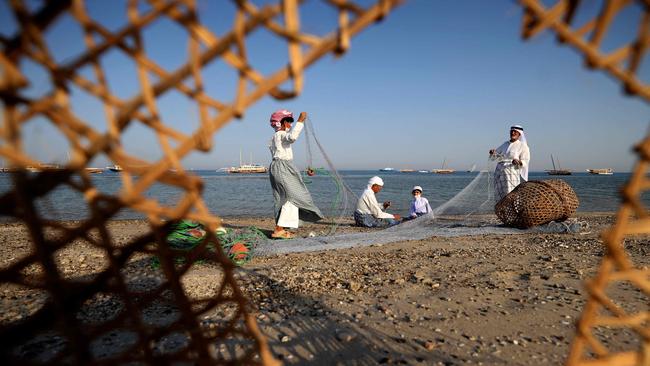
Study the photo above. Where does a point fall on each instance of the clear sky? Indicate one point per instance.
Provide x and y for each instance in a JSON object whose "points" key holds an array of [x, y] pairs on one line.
{"points": [[436, 80]]}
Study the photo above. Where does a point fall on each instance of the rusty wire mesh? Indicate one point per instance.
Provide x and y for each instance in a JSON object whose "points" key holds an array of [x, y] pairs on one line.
{"points": [[58, 319], [536, 203], [603, 313]]}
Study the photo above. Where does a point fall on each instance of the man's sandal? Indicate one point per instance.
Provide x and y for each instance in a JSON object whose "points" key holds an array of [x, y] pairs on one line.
{"points": [[283, 235]]}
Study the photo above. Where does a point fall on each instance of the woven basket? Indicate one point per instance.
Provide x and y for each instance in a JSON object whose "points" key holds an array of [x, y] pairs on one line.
{"points": [[536, 203]]}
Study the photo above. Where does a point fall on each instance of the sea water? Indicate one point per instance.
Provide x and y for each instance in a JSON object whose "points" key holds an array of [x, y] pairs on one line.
{"points": [[251, 195]]}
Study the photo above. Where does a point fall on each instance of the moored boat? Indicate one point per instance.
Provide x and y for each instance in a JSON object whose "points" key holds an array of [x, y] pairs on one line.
{"points": [[444, 169], [247, 169], [386, 169], [606, 171], [559, 170]]}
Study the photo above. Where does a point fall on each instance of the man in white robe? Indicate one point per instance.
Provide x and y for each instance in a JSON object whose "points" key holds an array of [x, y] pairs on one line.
{"points": [[513, 159], [368, 212], [292, 200]]}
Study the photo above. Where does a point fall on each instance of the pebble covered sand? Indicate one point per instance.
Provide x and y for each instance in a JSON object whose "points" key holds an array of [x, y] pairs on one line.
{"points": [[485, 299]]}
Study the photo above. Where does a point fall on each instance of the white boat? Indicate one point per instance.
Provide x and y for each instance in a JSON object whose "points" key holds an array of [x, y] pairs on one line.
{"points": [[423, 171], [601, 171], [386, 169], [247, 168], [115, 168]]}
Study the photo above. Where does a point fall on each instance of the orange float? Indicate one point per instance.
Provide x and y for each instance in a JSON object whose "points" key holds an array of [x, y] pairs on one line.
{"points": [[238, 251]]}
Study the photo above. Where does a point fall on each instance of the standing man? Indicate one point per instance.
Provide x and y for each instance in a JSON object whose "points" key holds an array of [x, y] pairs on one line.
{"points": [[513, 158], [368, 212], [290, 195]]}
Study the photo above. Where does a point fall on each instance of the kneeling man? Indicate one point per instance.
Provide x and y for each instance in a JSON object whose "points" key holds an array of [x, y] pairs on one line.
{"points": [[368, 212]]}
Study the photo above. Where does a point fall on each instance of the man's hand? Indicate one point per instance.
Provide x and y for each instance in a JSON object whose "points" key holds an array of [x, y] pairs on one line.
{"points": [[517, 162], [302, 117], [397, 217], [386, 204], [492, 151]]}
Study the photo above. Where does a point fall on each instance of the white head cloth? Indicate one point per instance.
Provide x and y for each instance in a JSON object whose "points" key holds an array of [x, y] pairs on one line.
{"points": [[417, 187], [520, 129], [523, 171], [375, 180]]}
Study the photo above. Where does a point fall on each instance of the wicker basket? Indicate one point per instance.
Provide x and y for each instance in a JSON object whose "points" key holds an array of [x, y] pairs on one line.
{"points": [[536, 203]]}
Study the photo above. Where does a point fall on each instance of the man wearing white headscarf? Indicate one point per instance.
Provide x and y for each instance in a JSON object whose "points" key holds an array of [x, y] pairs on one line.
{"points": [[368, 212], [513, 158]]}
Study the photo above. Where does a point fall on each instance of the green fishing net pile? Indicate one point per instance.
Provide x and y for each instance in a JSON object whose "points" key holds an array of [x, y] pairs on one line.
{"points": [[238, 244]]}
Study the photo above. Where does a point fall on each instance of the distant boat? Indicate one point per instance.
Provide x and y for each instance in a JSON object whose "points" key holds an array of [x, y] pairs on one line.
{"points": [[247, 168], [472, 169], [407, 171], [386, 169], [444, 169], [600, 171], [42, 167], [115, 168], [559, 170], [94, 170], [423, 171]]}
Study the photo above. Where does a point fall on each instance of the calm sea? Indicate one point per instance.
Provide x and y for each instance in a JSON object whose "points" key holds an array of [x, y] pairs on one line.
{"points": [[250, 195]]}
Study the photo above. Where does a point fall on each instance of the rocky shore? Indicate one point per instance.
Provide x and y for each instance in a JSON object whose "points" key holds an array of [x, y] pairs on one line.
{"points": [[482, 299]]}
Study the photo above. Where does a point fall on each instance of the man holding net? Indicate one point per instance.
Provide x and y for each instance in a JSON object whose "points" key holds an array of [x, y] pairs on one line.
{"points": [[290, 195], [368, 212], [513, 158]]}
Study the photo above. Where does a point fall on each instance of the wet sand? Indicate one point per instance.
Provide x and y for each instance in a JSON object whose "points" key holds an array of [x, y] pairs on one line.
{"points": [[483, 299]]}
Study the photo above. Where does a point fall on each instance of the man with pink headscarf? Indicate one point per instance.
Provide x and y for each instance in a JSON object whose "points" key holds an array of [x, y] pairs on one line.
{"points": [[290, 195], [513, 158]]}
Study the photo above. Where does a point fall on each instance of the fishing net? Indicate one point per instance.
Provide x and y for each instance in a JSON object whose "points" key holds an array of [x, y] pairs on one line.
{"points": [[469, 212], [238, 244], [115, 65], [536, 203]]}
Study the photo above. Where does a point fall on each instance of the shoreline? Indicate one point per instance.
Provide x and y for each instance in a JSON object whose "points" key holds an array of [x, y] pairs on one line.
{"points": [[488, 299], [237, 218]]}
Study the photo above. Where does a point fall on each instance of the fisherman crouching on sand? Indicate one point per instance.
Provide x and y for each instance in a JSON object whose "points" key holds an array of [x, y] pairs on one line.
{"points": [[368, 212], [290, 195]]}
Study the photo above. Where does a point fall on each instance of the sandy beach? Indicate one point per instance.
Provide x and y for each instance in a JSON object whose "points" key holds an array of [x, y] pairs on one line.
{"points": [[486, 299]]}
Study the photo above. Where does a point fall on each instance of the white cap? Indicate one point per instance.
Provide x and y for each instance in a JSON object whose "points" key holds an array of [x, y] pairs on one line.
{"points": [[376, 180], [417, 187]]}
